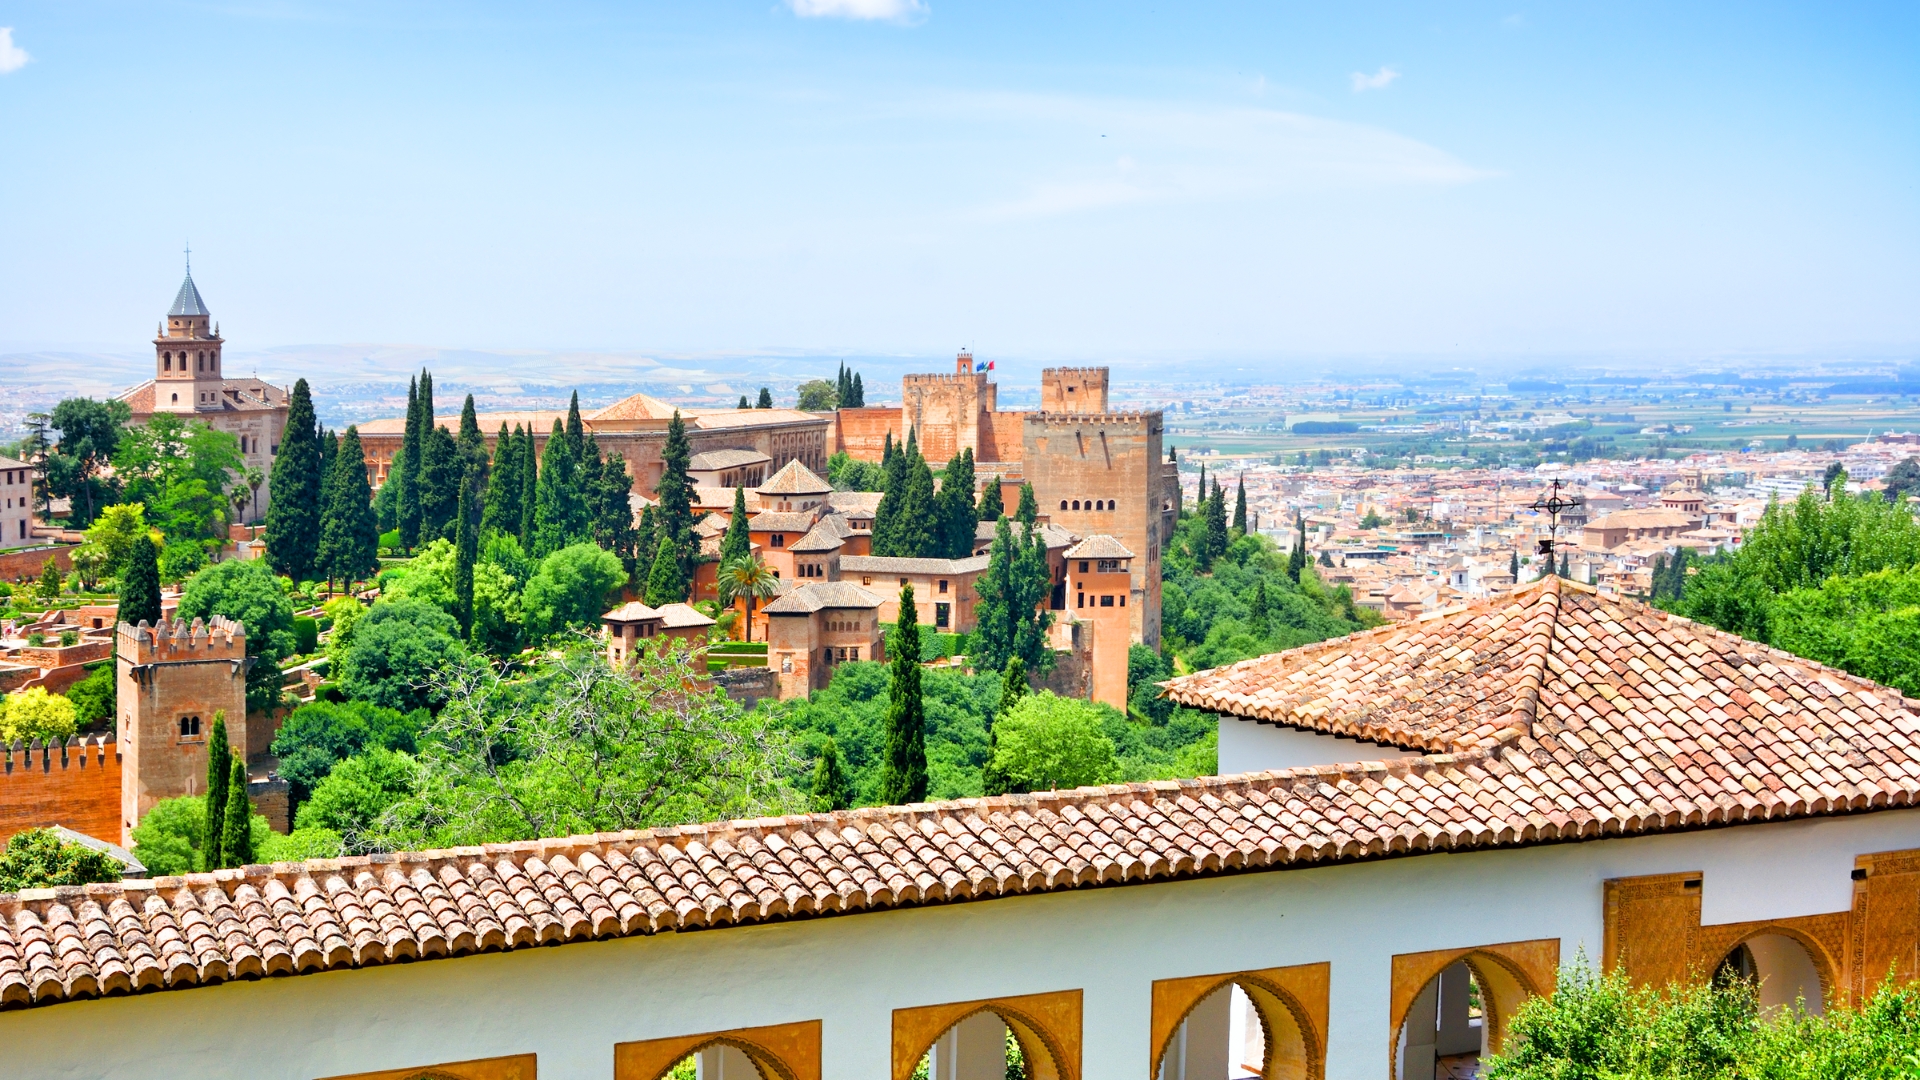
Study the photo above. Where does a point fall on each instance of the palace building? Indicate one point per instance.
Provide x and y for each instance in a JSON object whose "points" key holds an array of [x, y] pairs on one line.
{"points": [[189, 381], [1438, 816]]}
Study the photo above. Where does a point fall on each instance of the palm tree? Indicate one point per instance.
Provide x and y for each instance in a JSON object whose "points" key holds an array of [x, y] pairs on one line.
{"points": [[748, 578]]}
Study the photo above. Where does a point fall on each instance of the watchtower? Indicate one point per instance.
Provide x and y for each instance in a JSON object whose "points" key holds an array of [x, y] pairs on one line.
{"points": [[173, 679], [186, 356], [1073, 390], [946, 412]]}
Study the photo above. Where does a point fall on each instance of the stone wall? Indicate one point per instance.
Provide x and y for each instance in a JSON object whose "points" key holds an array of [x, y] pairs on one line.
{"points": [[76, 784], [168, 674], [22, 564], [944, 412], [1111, 461], [862, 433]]}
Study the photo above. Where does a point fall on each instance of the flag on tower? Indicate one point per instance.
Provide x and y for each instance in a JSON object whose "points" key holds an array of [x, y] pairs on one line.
{"points": [[982, 365]]}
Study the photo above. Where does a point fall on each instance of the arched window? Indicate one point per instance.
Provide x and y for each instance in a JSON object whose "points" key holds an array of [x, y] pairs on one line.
{"points": [[176, 399], [166, 361], [1063, 504], [1076, 504]]}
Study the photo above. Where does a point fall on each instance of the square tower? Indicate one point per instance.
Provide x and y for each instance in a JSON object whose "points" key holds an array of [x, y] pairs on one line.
{"points": [[173, 679], [186, 356], [1073, 390]]}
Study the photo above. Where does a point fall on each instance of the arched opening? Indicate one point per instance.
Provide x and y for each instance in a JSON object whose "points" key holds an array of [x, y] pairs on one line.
{"points": [[1446, 1029], [727, 1060], [992, 1044], [1244, 1028], [1783, 972]]}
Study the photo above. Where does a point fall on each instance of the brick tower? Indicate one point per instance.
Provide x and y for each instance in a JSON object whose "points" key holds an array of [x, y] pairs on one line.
{"points": [[173, 679], [186, 356]]}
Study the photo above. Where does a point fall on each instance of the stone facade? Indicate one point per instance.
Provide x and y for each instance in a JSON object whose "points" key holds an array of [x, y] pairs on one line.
{"points": [[76, 784], [1099, 585], [1073, 390], [174, 679], [189, 381], [1100, 474], [16, 504], [945, 412], [811, 629]]}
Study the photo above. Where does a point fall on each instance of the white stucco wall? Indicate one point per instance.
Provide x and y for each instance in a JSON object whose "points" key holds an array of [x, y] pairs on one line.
{"points": [[570, 1004], [1250, 746]]}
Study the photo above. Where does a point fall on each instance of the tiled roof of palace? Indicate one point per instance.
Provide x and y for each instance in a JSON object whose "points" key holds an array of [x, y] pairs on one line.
{"points": [[1099, 546], [805, 599], [1553, 714], [794, 479], [900, 564]]}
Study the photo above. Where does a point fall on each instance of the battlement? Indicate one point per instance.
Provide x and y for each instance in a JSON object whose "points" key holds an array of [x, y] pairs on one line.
{"points": [[75, 752], [75, 782], [1082, 419], [1073, 390], [176, 640], [930, 378]]}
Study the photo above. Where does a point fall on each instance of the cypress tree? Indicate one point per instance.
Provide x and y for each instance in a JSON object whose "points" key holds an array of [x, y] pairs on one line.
{"points": [[559, 496], [350, 539], [610, 498], [675, 516], [1297, 558], [1179, 496], [1513, 566], [1566, 566], [293, 515], [905, 779], [1240, 508], [916, 524], [744, 403], [842, 386], [1013, 687], [529, 488], [766, 399], [992, 504], [236, 834], [737, 544], [894, 469], [1029, 510], [219, 780], [406, 466], [994, 615], [954, 513], [859, 393], [1215, 538], [140, 583], [1200, 495], [464, 549], [1032, 586], [439, 480], [473, 458], [1261, 608], [502, 510], [576, 430], [832, 787], [665, 585]]}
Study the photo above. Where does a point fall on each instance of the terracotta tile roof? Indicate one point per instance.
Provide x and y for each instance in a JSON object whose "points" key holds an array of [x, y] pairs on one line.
{"points": [[794, 479], [637, 407], [715, 460], [1560, 716], [829, 535], [892, 564], [856, 503], [794, 521], [809, 598], [1099, 546]]}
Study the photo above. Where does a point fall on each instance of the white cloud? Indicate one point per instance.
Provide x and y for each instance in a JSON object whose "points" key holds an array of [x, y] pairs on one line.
{"points": [[899, 11], [1376, 81], [12, 57]]}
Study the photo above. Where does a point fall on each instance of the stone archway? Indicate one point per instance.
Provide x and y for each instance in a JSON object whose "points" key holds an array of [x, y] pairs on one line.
{"points": [[1506, 974], [1046, 1027], [513, 1067], [776, 1052], [1289, 1006]]}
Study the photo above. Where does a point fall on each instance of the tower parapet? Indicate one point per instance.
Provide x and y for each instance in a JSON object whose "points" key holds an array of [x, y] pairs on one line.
{"points": [[173, 681], [218, 638], [1073, 390]]}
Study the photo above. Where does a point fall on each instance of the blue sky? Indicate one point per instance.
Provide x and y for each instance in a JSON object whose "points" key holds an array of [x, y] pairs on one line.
{"points": [[1068, 180]]}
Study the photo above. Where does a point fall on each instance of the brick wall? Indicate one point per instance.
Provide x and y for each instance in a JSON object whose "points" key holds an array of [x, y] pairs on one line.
{"points": [[862, 433], [28, 562], [76, 785]]}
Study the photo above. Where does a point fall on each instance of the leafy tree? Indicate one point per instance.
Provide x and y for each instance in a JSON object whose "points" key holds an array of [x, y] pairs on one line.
{"points": [[39, 859], [1046, 743], [498, 579], [665, 584], [50, 580], [501, 511], [744, 403], [1903, 480], [766, 399], [236, 836], [248, 593], [169, 837], [572, 588], [737, 543], [140, 583], [560, 510], [1214, 540], [592, 750], [1028, 510], [317, 736], [832, 788], [818, 395], [405, 473], [35, 714], [747, 579], [293, 516], [954, 512], [906, 775], [465, 549], [75, 469], [350, 537], [181, 469], [1297, 557], [95, 697], [848, 473], [351, 798], [992, 503], [1145, 668], [112, 535], [1372, 520], [611, 507], [1013, 686], [398, 649], [219, 783], [1009, 621], [440, 480]]}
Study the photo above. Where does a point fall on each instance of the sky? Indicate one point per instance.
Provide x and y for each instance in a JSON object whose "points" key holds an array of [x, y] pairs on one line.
{"points": [[1068, 181]]}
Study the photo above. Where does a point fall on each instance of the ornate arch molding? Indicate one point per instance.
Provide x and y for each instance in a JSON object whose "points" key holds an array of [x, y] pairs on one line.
{"points": [[1824, 937], [779, 1051], [1508, 975], [513, 1067], [1047, 1023], [1290, 1001]]}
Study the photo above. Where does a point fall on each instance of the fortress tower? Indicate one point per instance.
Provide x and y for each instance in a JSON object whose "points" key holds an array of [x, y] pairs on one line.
{"points": [[1073, 390], [173, 679], [949, 413]]}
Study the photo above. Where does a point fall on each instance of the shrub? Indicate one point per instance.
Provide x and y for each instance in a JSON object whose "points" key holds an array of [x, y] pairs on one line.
{"points": [[94, 696], [35, 714], [306, 634], [1047, 742], [39, 858]]}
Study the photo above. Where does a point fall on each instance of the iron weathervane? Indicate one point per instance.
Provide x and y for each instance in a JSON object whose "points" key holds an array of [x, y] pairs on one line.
{"points": [[1554, 505]]}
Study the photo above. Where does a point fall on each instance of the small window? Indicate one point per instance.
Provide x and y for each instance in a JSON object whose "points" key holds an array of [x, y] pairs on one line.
{"points": [[1076, 504], [1123, 599], [1063, 504], [1106, 601], [1083, 566], [943, 586], [779, 540], [1082, 601], [866, 579]]}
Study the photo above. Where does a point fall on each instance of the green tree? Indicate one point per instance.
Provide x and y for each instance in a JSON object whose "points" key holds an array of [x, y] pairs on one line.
{"points": [[465, 549], [351, 799], [744, 403], [1239, 524], [610, 495], [747, 579], [673, 519], [169, 837], [182, 470], [474, 464], [992, 503], [50, 580], [766, 399], [109, 539], [39, 859], [405, 472], [560, 512], [35, 714], [236, 834], [501, 512], [75, 468], [247, 593], [954, 512], [1013, 686], [906, 775], [665, 584], [818, 395], [912, 527], [350, 533], [1903, 480], [858, 399], [219, 783], [848, 473], [1297, 557], [293, 515], [1214, 539], [737, 543], [832, 788], [317, 736], [573, 587], [439, 482], [140, 583], [529, 489], [1028, 510], [399, 650], [95, 697], [1046, 743]]}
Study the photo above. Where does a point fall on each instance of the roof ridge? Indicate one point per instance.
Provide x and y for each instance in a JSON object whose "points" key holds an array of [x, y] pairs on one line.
{"points": [[1539, 644]]}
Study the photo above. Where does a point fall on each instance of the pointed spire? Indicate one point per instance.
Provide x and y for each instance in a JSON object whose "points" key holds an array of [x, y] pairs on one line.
{"points": [[188, 301]]}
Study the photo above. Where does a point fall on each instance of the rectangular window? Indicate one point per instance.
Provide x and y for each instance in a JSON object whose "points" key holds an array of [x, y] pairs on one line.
{"points": [[779, 540], [942, 614], [1082, 600], [1106, 601], [866, 579], [943, 586], [1083, 566]]}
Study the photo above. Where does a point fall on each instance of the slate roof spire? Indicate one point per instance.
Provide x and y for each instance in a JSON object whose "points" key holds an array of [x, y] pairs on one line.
{"points": [[189, 302]]}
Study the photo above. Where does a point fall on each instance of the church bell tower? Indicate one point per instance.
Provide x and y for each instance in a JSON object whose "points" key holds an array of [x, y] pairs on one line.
{"points": [[186, 358]]}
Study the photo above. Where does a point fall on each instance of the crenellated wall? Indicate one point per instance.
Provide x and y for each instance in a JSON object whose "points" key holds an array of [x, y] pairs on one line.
{"points": [[75, 783], [173, 681]]}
